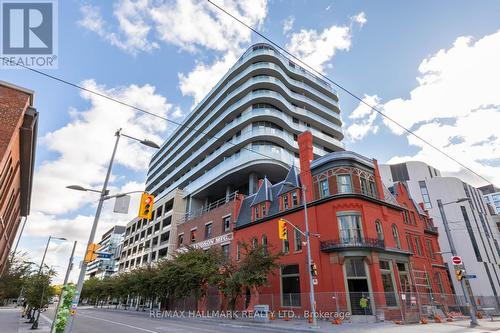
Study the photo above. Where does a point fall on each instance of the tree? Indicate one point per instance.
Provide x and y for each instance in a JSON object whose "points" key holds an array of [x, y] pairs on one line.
{"points": [[17, 271]]}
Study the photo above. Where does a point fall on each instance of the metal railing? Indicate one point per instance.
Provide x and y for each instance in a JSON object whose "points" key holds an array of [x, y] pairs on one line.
{"points": [[351, 242], [206, 208]]}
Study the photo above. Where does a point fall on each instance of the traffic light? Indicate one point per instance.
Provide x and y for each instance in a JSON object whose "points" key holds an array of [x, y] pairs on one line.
{"points": [[90, 255], [146, 206], [314, 270], [282, 229], [459, 274]]}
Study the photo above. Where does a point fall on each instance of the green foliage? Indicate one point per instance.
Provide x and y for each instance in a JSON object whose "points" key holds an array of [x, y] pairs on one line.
{"points": [[189, 273], [16, 272], [68, 291], [38, 289]]}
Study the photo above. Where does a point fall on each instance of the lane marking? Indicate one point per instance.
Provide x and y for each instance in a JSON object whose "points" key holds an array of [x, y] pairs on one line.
{"points": [[118, 323], [46, 318]]}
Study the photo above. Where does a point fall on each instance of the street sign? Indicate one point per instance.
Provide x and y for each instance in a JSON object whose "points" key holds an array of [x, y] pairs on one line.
{"points": [[403, 297], [104, 255], [471, 276], [121, 204], [456, 260]]}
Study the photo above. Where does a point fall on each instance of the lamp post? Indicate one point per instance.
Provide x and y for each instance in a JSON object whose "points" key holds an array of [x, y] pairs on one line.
{"points": [[103, 196], [309, 259], [35, 322], [468, 298]]}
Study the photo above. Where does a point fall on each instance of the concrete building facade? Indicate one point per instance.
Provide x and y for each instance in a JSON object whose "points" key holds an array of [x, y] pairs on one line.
{"points": [[492, 195], [472, 228], [18, 133]]}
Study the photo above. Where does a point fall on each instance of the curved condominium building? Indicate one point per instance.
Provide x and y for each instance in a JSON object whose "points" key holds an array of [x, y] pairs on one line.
{"points": [[245, 129]]}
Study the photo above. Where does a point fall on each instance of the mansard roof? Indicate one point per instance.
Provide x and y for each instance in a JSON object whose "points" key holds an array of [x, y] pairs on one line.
{"points": [[264, 193], [291, 182]]}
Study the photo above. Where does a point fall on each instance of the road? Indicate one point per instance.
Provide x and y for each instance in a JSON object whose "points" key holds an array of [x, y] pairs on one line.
{"points": [[110, 321]]}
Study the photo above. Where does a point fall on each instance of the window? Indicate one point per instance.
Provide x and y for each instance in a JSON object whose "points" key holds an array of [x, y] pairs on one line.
{"points": [[429, 248], [295, 199], [418, 246], [380, 231], [409, 242], [180, 240], [238, 251], [256, 212], [290, 285], [208, 230], [225, 251], [350, 227], [227, 223], [439, 282], [395, 235], [373, 189], [255, 242], [263, 209], [470, 231], [425, 194], [388, 283], [285, 201], [193, 236], [264, 243], [323, 188], [344, 183], [364, 185], [286, 246], [297, 240], [404, 278]]}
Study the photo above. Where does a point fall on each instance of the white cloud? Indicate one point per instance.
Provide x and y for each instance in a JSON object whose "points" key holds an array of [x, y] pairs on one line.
{"points": [[189, 24], [134, 31], [456, 106], [203, 77], [318, 48], [359, 18], [288, 24], [363, 118], [84, 145]]}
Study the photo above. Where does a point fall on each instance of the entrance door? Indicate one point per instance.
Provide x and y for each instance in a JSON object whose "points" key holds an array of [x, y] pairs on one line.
{"points": [[358, 288]]}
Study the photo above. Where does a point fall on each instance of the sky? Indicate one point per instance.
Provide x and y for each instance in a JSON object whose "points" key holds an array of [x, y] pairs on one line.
{"points": [[430, 65]]}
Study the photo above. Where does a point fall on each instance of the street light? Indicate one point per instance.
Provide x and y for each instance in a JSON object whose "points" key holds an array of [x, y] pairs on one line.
{"points": [[103, 196], [35, 322], [309, 260], [468, 297]]}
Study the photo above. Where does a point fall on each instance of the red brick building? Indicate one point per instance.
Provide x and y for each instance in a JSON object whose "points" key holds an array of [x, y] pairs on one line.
{"points": [[18, 131], [372, 241]]}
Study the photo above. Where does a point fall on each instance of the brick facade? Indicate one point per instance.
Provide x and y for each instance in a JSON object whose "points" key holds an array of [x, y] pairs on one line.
{"points": [[18, 125]]}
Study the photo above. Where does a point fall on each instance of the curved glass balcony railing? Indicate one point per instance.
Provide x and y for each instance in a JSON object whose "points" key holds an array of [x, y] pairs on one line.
{"points": [[311, 117], [245, 72], [245, 157], [246, 117], [179, 147], [280, 137]]}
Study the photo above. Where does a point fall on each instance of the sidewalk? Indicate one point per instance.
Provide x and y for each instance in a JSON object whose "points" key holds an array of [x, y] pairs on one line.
{"points": [[11, 322]]}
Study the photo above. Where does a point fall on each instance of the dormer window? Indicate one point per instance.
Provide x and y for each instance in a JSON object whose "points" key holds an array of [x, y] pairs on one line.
{"points": [[263, 207], [295, 199], [256, 212], [286, 204]]}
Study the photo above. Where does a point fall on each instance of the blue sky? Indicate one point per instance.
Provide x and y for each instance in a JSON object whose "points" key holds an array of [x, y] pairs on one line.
{"points": [[153, 53]]}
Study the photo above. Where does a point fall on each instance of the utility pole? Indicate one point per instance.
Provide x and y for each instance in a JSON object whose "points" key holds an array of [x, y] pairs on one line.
{"points": [[471, 302]]}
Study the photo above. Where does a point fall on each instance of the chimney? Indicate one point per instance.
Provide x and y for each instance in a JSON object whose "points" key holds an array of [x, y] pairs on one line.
{"points": [[378, 181], [260, 183], [305, 141]]}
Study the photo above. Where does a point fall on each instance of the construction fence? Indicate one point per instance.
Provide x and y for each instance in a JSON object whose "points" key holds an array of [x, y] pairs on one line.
{"points": [[404, 307]]}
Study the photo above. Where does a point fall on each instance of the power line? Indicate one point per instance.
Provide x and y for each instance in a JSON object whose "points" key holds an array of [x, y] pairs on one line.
{"points": [[181, 125], [347, 91]]}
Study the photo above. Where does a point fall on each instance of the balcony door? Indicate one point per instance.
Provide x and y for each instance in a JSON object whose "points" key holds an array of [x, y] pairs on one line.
{"points": [[350, 230]]}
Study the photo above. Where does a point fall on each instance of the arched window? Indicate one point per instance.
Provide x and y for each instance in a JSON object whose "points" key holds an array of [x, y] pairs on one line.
{"points": [[255, 242], [380, 232], [264, 242], [395, 234]]}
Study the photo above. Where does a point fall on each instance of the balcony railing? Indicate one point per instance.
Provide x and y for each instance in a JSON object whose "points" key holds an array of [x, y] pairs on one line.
{"points": [[351, 243]]}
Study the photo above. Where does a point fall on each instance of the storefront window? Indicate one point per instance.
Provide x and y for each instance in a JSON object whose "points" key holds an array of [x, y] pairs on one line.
{"points": [[387, 283]]}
